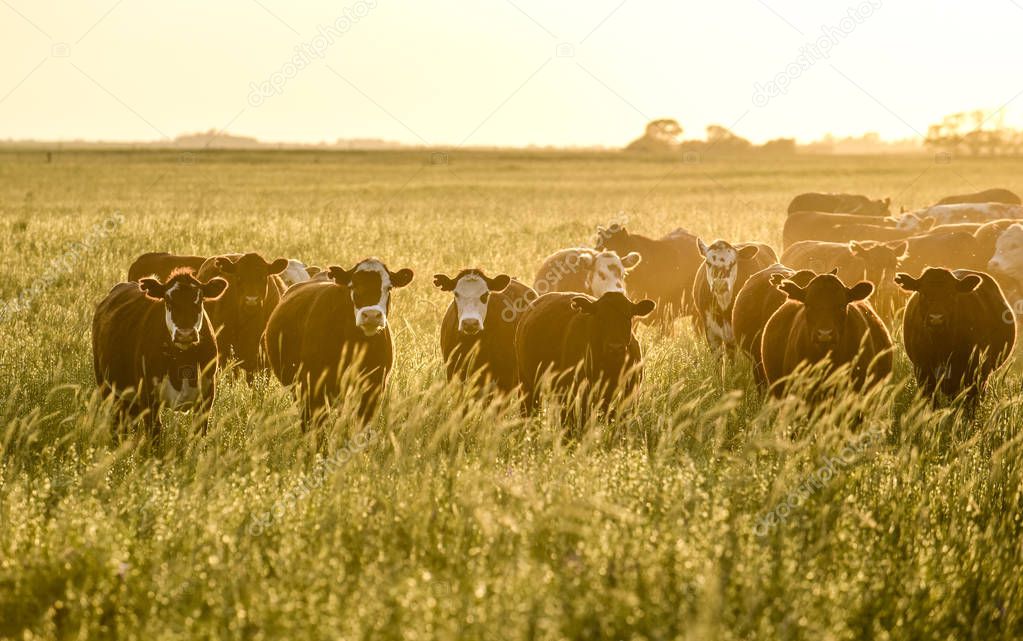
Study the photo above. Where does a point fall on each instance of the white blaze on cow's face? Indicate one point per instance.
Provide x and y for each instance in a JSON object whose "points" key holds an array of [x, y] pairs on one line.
{"points": [[471, 297], [371, 292], [722, 267], [608, 272], [1008, 257], [908, 222]]}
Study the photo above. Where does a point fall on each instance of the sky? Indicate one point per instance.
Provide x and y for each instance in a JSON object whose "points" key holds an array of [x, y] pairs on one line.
{"points": [[501, 72]]}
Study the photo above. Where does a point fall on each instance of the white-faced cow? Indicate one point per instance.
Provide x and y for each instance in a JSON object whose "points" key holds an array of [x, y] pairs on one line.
{"points": [[725, 269], [584, 270], [152, 345], [239, 316], [329, 337], [958, 329], [477, 335], [296, 272], [1006, 264]]}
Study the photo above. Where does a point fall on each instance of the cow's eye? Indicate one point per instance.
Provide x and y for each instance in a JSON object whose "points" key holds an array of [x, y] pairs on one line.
{"points": [[485, 297]]}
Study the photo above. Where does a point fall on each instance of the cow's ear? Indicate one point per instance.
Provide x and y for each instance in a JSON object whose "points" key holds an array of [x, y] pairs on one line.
{"points": [[888, 202], [792, 290], [926, 223], [213, 288], [585, 261], [152, 288], [776, 279], [401, 277], [277, 266], [968, 283], [498, 283], [748, 252], [630, 260], [223, 265], [856, 247], [444, 282], [312, 270], [582, 304], [900, 248], [702, 246], [834, 271], [339, 275], [643, 307], [859, 291], [907, 282]]}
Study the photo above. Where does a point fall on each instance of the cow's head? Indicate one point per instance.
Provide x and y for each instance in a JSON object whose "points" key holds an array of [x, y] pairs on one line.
{"points": [[873, 207], [722, 262], [938, 293], [248, 275], [826, 303], [880, 260], [612, 327], [1008, 257], [370, 283], [605, 271], [472, 290], [912, 222], [182, 296], [614, 237]]}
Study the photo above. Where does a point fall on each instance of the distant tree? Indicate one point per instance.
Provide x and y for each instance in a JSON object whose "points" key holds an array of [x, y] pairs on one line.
{"points": [[723, 139], [660, 135], [780, 146]]}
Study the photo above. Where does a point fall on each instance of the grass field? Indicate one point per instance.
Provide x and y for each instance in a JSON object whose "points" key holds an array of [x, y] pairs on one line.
{"points": [[709, 514]]}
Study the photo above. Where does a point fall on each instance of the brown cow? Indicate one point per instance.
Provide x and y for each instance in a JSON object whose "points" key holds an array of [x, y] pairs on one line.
{"points": [[840, 204], [585, 344], [331, 336], [584, 270], [758, 299], [153, 347], [725, 269], [239, 317], [996, 195], [666, 272], [855, 261], [954, 250], [477, 335], [826, 321], [841, 228], [958, 329], [161, 264]]}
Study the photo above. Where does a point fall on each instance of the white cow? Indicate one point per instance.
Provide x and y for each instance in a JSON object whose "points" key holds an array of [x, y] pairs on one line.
{"points": [[969, 212], [296, 272]]}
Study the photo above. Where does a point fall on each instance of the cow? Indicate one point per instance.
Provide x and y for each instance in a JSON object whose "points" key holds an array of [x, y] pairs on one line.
{"points": [[585, 345], [477, 334], [840, 204], [296, 272], [841, 228], [666, 271], [996, 195], [987, 236], [958, 329], [954, 250], [825, 321], [331, 337], [160, 265], [725, 269], [970, 212], [239, 316], [758, 299], [1006, 264], [153, 347], [855, 261], [584, 270]]}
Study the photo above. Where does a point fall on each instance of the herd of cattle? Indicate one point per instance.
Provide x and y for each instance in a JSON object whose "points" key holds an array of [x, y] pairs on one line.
{"points": [[847, 266]]}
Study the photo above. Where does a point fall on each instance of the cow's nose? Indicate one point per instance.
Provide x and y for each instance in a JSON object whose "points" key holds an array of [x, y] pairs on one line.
{"points": [[935, 319], [720, 286], [825, 335], [252, 301], [471, 326], [615, 348], [186, 336]]}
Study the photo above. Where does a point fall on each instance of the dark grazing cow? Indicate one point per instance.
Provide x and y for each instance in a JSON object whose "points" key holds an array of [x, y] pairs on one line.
{"points": [[585, 344], [996, 195], [840, 204], [826, 321], [841, 228], [331, 336], [666, 272], [161, 264], [477, 335], [239, 316], [725, 269], [584, 270], [758, 299], [855, 261], [152, 345], [958, 329]]}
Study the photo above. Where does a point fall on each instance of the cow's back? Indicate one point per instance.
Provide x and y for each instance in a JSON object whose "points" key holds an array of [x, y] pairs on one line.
{"points": [[121, 323], [561, 272], [161, 264], [754, 305], [540, 335]]}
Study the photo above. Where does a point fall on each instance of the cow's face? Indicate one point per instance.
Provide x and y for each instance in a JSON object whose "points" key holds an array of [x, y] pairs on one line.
{"points": [[911, 222], [826, 303], [1008, 257], [606, 271], [938, 294], [248, 276], [614, 237], [612, 330], [182, 297], [880, 260], [722, 261], [370, 284], [472, 290]]}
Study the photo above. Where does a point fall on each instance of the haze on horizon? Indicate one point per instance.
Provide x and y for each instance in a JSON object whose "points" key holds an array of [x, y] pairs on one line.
{"points": [[499, 72]]}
